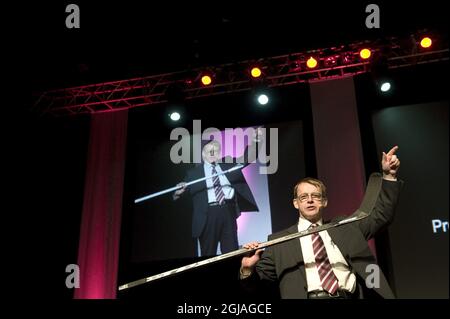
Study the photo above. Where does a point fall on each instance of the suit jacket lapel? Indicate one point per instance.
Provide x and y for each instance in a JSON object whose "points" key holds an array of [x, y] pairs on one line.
{"points": [[337, 237], [199, 171], [196, 173]]}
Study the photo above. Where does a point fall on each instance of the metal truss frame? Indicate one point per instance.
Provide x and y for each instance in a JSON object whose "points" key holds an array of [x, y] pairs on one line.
{"points": [[277, 71]]}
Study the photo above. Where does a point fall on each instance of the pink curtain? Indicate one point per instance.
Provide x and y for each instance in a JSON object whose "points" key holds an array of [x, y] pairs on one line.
{"points": [[340, 162], [98, 249]]}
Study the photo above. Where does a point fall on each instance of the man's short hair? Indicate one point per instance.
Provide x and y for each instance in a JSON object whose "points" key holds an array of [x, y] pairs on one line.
{"points": [[212, 142], [313, 181]]}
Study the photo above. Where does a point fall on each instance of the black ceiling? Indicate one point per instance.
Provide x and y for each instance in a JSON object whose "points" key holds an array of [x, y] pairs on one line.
{"points": [[134, 38]]}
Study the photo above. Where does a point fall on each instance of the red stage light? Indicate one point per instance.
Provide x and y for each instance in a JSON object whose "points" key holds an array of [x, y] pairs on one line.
{"points": [[365, 53], [256, 72], [295, 66], [311, 63], [206, 80], [330, 61], [426, 42], [347, 57]]}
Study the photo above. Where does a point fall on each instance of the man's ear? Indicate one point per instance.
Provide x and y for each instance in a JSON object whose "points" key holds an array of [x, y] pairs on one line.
{"points": [[294, 201], [324, 203]]}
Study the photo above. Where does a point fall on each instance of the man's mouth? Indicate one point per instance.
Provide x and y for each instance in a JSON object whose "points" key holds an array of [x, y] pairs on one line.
{"points": [[311, 207]]}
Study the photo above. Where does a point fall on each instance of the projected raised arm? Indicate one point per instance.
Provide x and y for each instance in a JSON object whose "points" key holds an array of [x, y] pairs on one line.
{"points": [[177, 194]]}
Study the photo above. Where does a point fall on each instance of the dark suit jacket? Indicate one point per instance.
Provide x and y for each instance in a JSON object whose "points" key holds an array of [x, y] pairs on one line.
{"points": [[242, 194], [284, 263]]}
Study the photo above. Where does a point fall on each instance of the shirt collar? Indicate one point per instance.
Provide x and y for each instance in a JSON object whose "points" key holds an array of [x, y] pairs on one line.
{"points": [[207, 164], [304, 224]]}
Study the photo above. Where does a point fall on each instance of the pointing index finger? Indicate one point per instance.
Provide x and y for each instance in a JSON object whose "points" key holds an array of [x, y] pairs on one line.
{"points": [[392, 150]]}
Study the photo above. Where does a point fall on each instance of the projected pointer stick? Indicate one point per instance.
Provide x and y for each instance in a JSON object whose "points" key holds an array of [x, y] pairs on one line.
{"points": [[172, 189]]}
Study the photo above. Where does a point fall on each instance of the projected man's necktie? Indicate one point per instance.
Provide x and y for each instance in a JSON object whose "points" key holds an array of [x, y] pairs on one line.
{"points": [[220, 196], [328, 279]]}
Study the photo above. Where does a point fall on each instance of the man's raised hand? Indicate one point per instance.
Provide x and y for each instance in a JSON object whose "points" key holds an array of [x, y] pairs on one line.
{"points": [[390, 164]]}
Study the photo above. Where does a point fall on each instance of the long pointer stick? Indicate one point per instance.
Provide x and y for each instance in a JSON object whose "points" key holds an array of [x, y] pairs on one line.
{"points": [[367, 205], [172, 189]]}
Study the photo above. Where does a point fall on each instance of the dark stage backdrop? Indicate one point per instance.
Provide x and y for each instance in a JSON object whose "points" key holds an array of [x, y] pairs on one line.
{"points": [[418, 236]]}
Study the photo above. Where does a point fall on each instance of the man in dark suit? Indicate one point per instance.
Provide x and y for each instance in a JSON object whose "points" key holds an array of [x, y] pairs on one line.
{"points": [[336, 263], [218, 201]]}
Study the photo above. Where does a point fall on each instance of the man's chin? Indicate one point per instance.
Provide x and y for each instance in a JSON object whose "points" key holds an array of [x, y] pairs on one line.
{"points": [[312, 217]]}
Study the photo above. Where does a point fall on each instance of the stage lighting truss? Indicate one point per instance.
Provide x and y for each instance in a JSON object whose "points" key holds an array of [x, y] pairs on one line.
{"points": [[277, 71]]}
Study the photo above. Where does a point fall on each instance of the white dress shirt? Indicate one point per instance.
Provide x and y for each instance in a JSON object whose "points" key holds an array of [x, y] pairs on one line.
{"points": [[346, 279], [224, 182]]}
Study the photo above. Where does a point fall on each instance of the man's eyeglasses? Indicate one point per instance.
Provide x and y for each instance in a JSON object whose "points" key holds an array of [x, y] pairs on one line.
{"points": [[304, 197]]}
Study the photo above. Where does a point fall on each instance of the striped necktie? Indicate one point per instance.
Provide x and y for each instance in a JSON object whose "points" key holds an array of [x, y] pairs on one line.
{"points": [[220, 196], [328, 279]]}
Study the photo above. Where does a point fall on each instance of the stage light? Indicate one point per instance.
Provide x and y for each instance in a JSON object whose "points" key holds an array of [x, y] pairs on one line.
{"points": [[347, 57], [426, 42], [295, 66], [263, 99], [174, 116], [294, 63], [206, 80], [365, 54], [385, 86], [256, 72], [379, 69], [330, 61], [311, 63]]}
